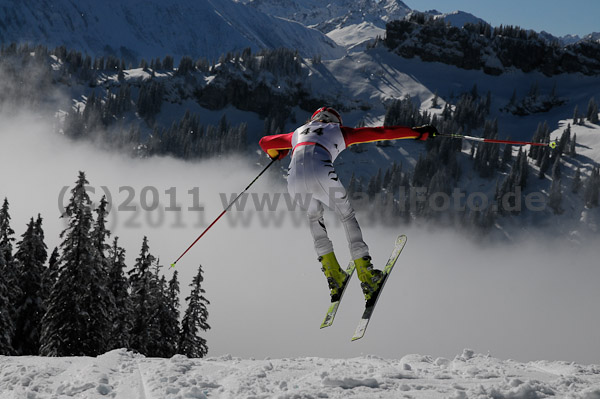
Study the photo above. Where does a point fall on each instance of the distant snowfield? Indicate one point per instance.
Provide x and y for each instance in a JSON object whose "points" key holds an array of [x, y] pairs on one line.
{"points": [[356, 35], [123, 375]]}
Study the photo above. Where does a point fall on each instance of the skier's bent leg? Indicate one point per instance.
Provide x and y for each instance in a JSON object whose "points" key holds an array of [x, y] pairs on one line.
{"points": [[316, 223], [358, 247], [337, 197]]}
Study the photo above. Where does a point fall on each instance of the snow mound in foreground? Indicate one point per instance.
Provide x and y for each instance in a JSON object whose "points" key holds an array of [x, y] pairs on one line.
{"points": [[123, 375]]}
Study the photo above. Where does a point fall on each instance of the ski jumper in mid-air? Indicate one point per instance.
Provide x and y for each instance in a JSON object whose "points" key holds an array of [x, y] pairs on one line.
{"points": [[315, 146]]}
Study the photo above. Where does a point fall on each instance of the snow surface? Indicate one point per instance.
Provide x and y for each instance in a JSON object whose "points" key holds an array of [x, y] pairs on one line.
{"points": [[121, 374], [529, 307], [355, 37]]}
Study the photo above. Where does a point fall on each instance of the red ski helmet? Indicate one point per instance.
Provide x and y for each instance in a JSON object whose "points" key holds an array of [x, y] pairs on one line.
{"points": [[327, 115]]}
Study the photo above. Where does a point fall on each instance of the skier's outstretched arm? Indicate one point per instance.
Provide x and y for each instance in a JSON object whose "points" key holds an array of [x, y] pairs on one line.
{"points": [[277, 145], [370, 134]]}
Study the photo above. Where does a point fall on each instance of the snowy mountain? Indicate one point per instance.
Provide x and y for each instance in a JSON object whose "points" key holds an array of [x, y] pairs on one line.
{"points": [[570, 39], [423, 59], [155, 28], [124, 375], [349, 23], [493, 49], [327, 16], [595, 37], [456, 18]]}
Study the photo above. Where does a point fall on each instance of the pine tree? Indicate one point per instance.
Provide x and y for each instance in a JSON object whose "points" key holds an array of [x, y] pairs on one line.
{"points": [[541, 135], [523, 170], [170, 330], [7, 326], [150, 99], [516, 177], [100, 297], [140, 280], [572, 145], [6, 232], [507, 154], [157, 305], [374, 186], [486, 159], [186, 65], [564, 140], [387, 177], [168, 63], [555, 197], [76, 322], [592, 111], [576, 186], [421, 173], [545, 164], [194, 320], [556, 167], [592, 189], [435, 101], [8, 269], [395, 178], [118, 286], [157, 346], [577, 117], [31, 255], [167, 315], [50, 274], [100, 234]]}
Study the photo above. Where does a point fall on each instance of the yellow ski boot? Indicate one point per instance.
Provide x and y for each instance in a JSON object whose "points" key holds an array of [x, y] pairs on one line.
{"points": [[336, 277], [370, 278]]}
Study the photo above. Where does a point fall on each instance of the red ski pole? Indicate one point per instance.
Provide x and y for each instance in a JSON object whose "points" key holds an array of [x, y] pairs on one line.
{"points": [[224, 211], [551, 144]]}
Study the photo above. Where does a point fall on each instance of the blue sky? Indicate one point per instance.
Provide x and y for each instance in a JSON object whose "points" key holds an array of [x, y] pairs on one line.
{"points": [[578, 17]]}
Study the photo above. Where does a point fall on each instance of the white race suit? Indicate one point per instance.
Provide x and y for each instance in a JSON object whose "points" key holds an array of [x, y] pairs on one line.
{"points": [[311, 173]]}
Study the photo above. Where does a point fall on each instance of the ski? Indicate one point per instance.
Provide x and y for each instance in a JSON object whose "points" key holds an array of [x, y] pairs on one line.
{"points": [[334, 305], [370, 304]]}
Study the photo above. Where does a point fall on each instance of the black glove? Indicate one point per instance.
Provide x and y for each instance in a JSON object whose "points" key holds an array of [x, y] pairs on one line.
{"points": [[425, 132]]}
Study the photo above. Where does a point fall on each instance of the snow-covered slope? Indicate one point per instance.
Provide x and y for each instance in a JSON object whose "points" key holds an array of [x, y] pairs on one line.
{"points": [[349, 23], [330, 15], [154, 28], [124, 375]]}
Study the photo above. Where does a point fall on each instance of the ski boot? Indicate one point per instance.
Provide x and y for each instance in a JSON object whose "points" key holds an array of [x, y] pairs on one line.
{"points": [[370, 278], [336, 277]]}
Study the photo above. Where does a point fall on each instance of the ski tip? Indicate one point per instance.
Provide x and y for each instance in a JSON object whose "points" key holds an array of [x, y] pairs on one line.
{"points": [[172, 265]]}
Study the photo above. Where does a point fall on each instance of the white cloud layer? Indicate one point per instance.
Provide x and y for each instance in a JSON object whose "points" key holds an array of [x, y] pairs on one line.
{"points": [[533, 299]]}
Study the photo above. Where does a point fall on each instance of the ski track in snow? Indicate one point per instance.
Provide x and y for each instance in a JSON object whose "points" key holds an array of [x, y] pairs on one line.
{"points": [[123, 375]]}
